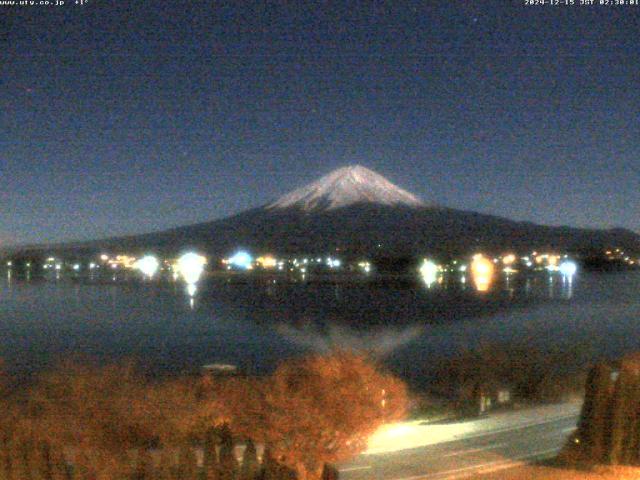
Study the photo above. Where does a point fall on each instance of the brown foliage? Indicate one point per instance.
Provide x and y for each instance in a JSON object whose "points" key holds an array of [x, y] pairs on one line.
{"points": [[112, 406], [98, 415], [317, 410], [82, 421]]}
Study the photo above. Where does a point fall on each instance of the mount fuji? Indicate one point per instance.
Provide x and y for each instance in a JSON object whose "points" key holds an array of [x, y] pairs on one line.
{"points": [[345, 187], [356, 211]]}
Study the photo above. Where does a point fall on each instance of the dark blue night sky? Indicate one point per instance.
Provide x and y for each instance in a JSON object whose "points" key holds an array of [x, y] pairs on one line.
{"points": [[129, 116]]}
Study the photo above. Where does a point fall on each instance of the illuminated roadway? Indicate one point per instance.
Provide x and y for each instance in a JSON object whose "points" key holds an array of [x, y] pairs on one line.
{"points": [[464, 450]]}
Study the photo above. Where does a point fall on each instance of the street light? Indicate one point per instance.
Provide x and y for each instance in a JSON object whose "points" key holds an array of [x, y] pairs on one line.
{"points": [[148, 265], [482, 272], [191, 265], [568, 268], [429, 272]]}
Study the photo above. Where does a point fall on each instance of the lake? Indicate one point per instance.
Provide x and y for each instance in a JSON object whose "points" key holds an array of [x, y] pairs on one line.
{"points": [[254, 324]]}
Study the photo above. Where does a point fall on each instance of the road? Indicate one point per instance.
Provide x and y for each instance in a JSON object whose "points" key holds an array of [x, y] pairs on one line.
{"points": [[415, 451]]}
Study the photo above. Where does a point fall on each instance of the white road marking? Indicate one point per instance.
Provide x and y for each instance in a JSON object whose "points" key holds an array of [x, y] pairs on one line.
{"points": [[570, 429]]}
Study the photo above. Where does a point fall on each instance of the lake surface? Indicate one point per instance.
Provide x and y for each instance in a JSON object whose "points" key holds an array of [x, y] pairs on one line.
{"points": [[256, 324]]}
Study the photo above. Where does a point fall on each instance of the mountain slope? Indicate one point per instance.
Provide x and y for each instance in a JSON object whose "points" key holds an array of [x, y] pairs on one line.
{"points": [[354, 210], [373, 229]]}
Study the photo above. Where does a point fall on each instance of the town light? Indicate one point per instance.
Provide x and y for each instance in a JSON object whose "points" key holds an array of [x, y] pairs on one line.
{"points": [[148, 265], [191, 265], [268, 261], [568, 268], [366, 266], [509, 259], [429, 272], [333, 262], [482, 272], [241, 259]]}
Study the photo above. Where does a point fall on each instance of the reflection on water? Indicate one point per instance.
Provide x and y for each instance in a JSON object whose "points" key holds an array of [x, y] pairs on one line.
{"points": [[379, 340], [567, 286], [192, 289], [508, 284], [253, 324], [191, 267]]}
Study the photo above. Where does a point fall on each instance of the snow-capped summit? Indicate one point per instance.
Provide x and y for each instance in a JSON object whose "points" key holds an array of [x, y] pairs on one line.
{"points": [[346, 186]]}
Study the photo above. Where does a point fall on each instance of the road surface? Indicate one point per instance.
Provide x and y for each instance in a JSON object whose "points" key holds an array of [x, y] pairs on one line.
{"points": [[414, 451]]}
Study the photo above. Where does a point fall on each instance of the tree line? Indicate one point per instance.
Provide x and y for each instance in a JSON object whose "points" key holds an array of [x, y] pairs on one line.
{"points": [[609, 426]]}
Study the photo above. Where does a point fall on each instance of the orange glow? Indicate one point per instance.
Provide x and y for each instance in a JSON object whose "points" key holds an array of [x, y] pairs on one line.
{"points": [[267, 261], [482, 272], [509, 259], [123, 261]]}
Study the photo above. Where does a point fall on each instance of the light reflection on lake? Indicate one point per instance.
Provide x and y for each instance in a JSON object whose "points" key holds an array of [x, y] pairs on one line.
{"points": [[253, 325]]}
